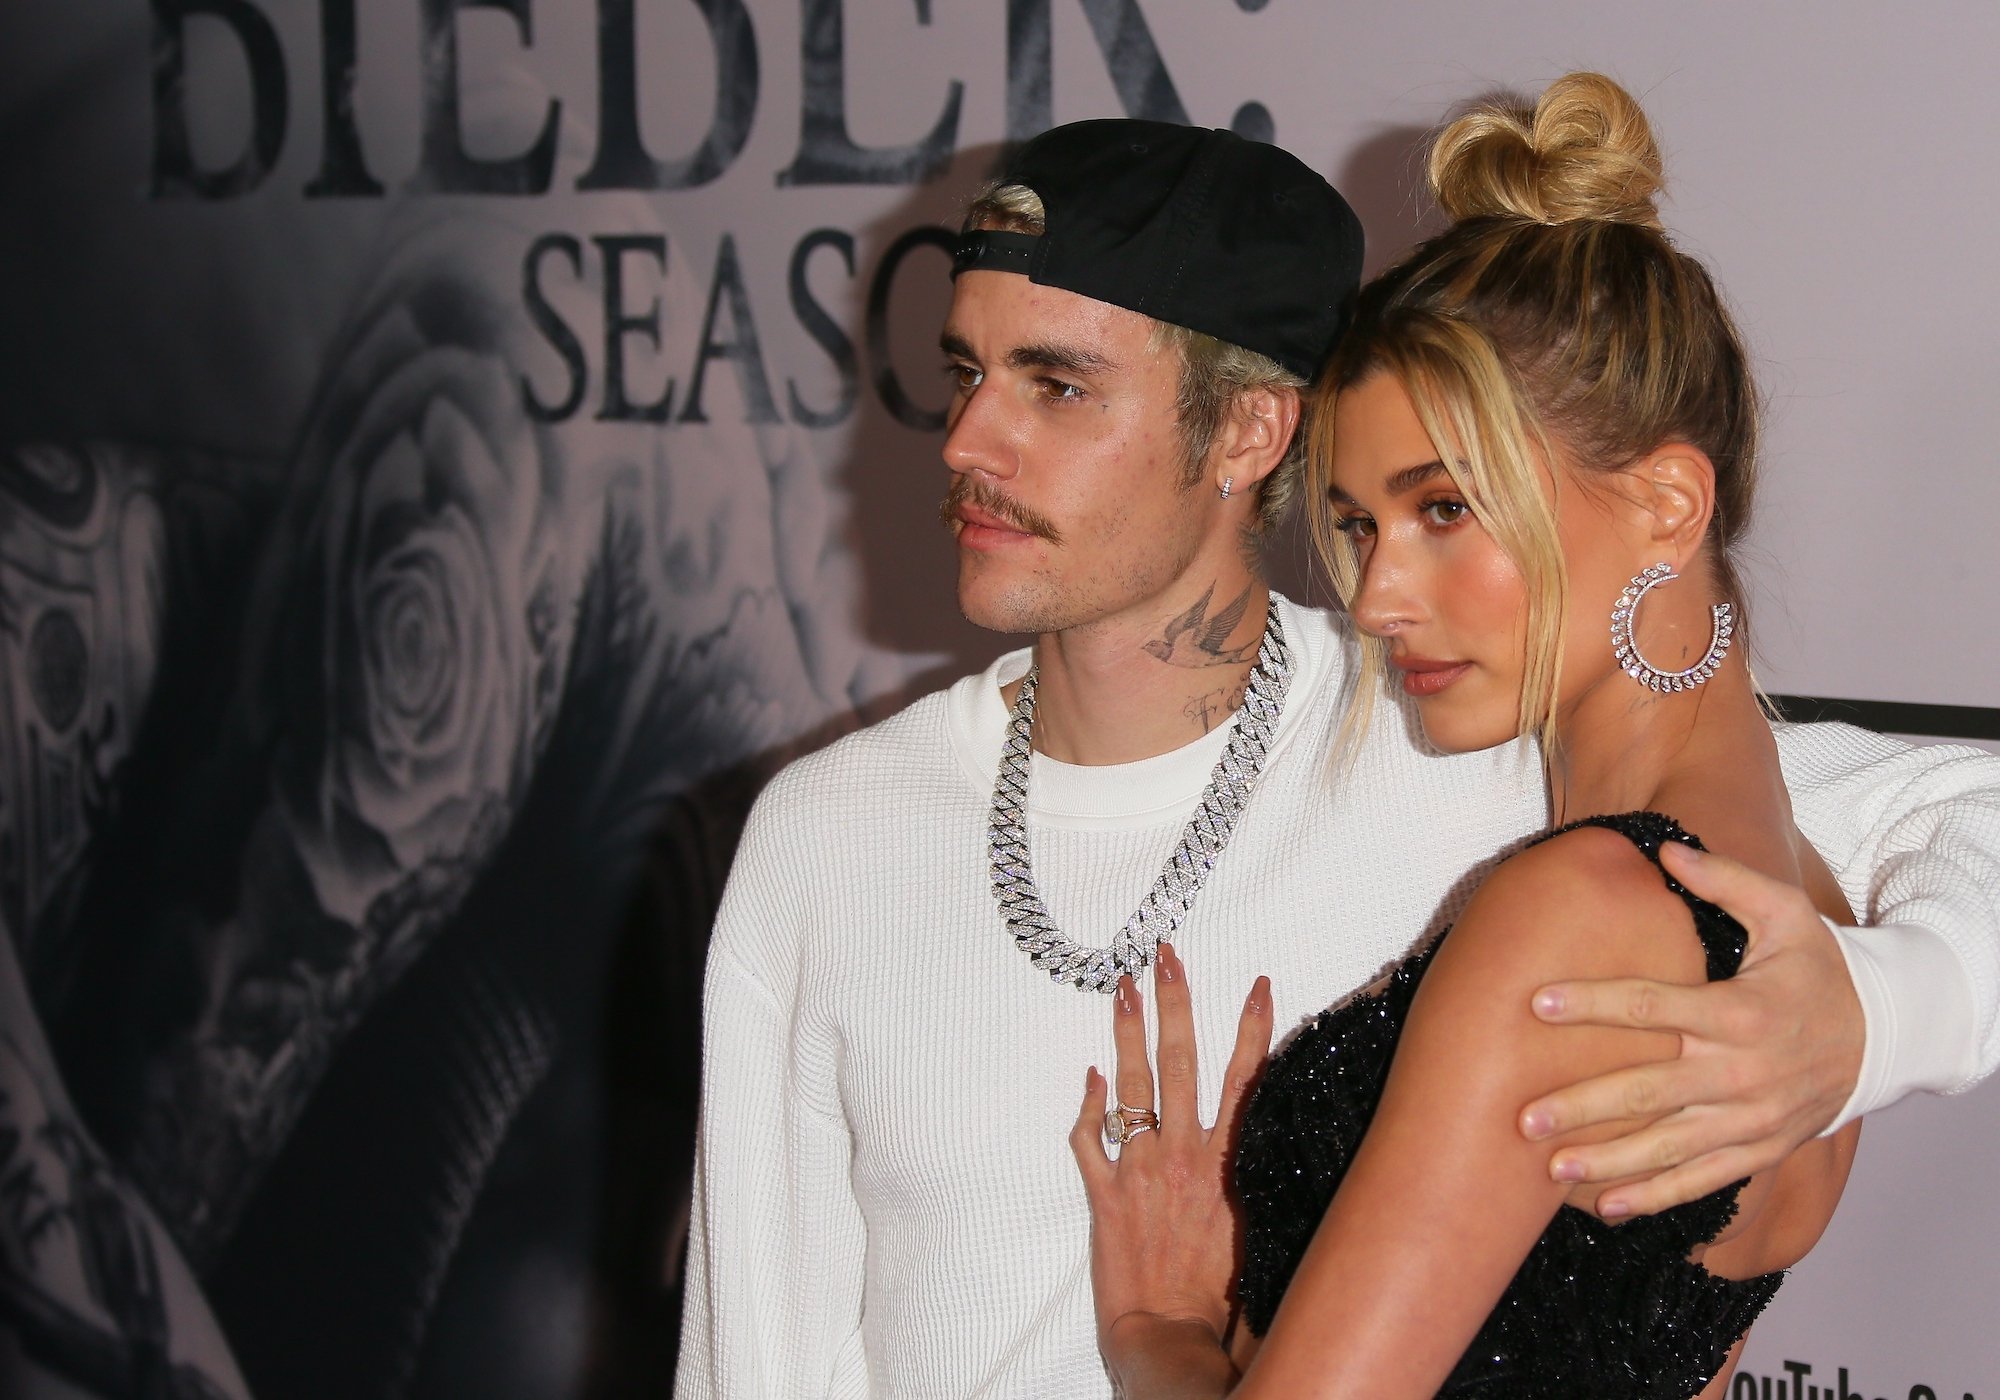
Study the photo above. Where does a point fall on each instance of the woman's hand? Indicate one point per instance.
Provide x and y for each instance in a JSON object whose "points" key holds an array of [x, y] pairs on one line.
{"points": [[1163, 1237]]}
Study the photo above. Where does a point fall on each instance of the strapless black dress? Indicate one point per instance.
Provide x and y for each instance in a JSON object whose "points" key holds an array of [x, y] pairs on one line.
{"points": [[1597, 1311]]}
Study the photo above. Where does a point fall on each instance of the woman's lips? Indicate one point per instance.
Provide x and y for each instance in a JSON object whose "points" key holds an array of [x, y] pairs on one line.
{"points": [[1425, 678]]}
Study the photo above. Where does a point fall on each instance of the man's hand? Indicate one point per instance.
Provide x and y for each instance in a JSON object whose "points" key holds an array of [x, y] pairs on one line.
{"points": [[1767, 1057]]}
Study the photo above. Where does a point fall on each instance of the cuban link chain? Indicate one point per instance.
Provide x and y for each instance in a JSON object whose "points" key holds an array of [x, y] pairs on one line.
{"points": [[1160, 914]]}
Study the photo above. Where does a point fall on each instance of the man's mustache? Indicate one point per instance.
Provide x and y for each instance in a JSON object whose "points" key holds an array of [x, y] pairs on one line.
{"points": [[964, 490]]}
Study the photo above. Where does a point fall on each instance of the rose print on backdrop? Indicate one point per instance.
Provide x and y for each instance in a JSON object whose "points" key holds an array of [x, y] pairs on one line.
{"points": [[408, 642], [423, 643]]}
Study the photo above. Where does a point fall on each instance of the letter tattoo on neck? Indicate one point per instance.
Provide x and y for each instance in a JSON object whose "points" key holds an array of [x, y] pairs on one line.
{"points": [[1214, 707]]}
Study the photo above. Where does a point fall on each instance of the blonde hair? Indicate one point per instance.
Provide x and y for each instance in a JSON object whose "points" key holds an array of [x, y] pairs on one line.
{"points": [[1553, 323], [1214, 373]]}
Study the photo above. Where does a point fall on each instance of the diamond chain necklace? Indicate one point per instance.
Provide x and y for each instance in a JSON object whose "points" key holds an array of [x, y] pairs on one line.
{"points": [[1160, 914]]}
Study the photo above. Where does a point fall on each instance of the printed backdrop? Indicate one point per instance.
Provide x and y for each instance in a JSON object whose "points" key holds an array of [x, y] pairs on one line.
{"points": [[451, 451]]}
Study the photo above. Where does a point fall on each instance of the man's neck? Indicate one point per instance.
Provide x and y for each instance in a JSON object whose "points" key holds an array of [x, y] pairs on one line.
{"points": [[1152, 681]]}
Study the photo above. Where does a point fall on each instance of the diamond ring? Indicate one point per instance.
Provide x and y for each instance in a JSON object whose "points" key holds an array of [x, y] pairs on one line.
{"points": [[1122, 1124]]}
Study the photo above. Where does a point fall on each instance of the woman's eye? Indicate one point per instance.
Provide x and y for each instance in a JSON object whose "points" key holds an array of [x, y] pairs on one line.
{"points": [[1355, 527], [1445, 512]]}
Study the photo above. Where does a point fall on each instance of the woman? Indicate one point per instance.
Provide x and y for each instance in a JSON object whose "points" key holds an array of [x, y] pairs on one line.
{"points": [[1536, 449]]}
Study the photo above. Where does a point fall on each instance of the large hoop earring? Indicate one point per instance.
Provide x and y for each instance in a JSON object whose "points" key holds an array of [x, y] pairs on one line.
{"points": [[1626, 649]]}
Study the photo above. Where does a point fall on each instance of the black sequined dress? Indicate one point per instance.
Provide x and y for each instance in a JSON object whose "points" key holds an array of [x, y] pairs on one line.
{"points": [[1595, 1311]]}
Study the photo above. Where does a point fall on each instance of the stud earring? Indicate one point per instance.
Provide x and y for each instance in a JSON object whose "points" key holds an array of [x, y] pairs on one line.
{"points": [[1626, 649], [1227, 482]]}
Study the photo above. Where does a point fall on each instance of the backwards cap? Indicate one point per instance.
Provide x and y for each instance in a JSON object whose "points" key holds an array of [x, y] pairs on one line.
{"points": [[1204, 229]]}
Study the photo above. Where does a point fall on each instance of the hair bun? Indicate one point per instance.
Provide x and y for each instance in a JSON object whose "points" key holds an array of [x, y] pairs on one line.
{"points": [[1585, 151]]}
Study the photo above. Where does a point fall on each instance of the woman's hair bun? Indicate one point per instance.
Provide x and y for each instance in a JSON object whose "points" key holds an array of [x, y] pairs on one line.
{"points": [[1584, 151]]}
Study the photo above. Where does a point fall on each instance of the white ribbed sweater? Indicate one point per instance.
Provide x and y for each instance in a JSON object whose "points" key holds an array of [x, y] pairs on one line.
{"points": [[885, 1203]]}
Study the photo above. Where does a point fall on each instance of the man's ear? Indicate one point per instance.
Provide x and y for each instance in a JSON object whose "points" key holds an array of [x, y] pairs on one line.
{"points": [[1256, 434], [1674, 490]]}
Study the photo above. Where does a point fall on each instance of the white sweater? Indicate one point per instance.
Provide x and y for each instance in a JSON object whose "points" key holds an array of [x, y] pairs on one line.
{"points": [[885, 1203]]}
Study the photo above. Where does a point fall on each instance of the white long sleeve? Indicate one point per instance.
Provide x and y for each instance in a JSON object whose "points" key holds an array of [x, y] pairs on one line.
{"points": [[1913, 834], [776, 1244]]}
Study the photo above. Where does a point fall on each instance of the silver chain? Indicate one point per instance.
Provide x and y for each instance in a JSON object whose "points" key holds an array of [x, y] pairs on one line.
{"points": [[1160, 914]]}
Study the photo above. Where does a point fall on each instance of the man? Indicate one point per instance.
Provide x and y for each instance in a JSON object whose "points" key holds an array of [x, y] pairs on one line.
{"points": [[885, 1203]]}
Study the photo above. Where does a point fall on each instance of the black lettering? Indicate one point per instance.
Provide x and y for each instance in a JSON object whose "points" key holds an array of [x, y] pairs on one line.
{"points": [[887, 386], [1922, 1392], [758, 406], [825, 331], [827, 154], [1130, 55], [622, 162], [174, 172], [1744, 1387], [619, 323], [341, 172], [447, 168], [1798, 1371], [554, 329]]}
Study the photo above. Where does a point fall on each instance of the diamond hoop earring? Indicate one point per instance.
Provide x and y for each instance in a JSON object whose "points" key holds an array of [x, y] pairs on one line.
{"points": [[1626, 649], [1227, 482]]}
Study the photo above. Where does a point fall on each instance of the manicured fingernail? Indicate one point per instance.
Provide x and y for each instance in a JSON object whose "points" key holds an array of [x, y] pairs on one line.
{"points": [[1090, 1079], [1169, 964], [1613, 1210], [1125, 998], [1684, 851], [1259, 999], [1548, 1002], [1567, 1169], [1537, 1125]]}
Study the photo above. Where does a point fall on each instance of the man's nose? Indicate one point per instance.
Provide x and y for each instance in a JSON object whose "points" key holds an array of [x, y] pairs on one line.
{"points": [[977, 440]]}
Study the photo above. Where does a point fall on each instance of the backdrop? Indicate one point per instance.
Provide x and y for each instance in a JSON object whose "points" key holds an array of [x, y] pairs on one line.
{"points": [[452, 450]]}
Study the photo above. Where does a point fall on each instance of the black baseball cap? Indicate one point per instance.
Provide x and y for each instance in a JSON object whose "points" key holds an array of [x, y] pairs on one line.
{"points": [[1201, 228]]}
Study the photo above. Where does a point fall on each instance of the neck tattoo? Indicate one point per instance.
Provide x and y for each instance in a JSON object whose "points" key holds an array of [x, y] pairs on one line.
{"points": [[1160, 914]]}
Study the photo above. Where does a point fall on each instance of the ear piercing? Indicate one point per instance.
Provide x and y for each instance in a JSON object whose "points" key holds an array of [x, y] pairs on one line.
{"points": [[1227, 482]]}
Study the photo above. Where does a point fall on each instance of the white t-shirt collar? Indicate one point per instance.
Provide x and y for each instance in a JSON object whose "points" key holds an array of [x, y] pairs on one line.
{"points": [[1150, 789]]}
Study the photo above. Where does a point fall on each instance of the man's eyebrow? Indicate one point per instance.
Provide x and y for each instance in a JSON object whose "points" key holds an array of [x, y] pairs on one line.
{"points": [[1051, 355], [1071, 359], [1399, 483]]}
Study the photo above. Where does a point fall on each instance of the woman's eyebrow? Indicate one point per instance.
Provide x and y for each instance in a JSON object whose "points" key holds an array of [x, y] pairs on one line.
{"points": [[1400, 483], [1410, 478]]}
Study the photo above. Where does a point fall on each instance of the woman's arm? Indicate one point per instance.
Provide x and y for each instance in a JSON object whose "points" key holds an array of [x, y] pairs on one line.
{"points": [[1819, 1027], [1445, 1198]]}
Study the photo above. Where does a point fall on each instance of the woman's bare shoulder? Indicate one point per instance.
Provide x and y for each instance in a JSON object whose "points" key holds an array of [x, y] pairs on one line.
{"points": [[1588, 902]]}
